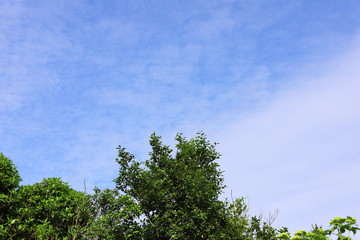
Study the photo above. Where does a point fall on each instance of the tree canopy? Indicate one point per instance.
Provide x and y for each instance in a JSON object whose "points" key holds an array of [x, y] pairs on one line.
{"points": [[172, 195], [177, 193]]}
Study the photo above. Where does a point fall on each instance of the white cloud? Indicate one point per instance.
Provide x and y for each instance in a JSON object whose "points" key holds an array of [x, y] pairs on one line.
{"points": [[301, 153]]}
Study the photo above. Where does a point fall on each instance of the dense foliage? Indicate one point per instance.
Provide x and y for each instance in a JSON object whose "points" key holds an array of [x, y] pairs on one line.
{"points": [[172, 195], [178, 195]]}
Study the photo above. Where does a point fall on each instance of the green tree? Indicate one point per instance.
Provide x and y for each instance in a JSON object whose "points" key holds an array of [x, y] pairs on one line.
{"points": [[9, 175], [114, 216], [9, 183], [46, 210], [177, 192]]}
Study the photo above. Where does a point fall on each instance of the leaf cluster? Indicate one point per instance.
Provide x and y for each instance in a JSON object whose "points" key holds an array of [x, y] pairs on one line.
{"points": [[342, 228]]}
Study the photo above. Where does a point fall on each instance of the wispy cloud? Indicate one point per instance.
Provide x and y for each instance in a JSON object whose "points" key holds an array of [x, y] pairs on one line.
{"points": [[300, 153]]}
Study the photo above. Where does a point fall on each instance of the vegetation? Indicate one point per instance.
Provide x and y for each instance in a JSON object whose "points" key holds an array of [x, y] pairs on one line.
{"points": [[172, 195]]}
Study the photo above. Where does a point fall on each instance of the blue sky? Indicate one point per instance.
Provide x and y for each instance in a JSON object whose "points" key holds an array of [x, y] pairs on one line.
{"points": [[276, 83]]}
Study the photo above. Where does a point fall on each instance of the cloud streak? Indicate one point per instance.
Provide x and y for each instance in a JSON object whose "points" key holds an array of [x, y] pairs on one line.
{"points": [[300, 154]]}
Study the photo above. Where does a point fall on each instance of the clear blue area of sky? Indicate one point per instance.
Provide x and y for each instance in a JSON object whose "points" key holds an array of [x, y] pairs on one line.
{"points": [[275, 82]]}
